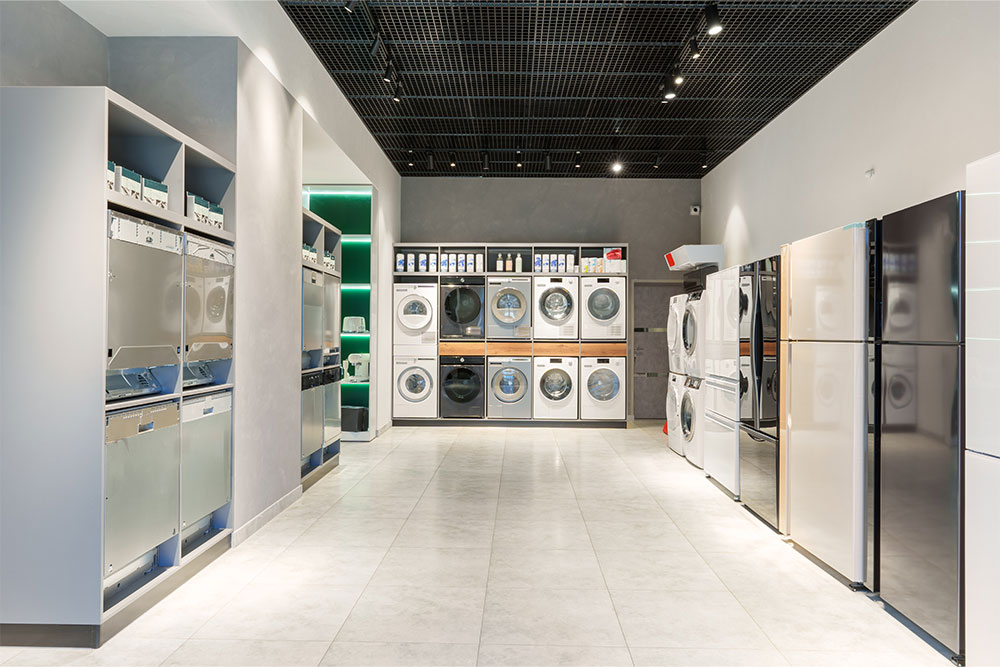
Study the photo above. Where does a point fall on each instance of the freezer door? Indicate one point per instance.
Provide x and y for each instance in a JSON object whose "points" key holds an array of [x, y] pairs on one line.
{"points": [[721, 451], [921, 458], [828, 283], [827, 441], [312, 310], [922, 272], [144, 306], [141, 482], [206, 456], [759, 474]]}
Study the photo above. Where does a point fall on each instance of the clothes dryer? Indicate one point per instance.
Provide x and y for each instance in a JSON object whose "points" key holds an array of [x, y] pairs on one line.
{"points": [[555, 380], [462, 307], [692, 417], [415, 388], [415, 322], [675, 346], [603, 310], [510, 392], [510, 309], [603, 394], [463, 387], [675, 390], [556, 307], [693, 329]]}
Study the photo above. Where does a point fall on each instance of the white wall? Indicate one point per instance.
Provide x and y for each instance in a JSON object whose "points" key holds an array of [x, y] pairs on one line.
{"points": [[917, 103]]}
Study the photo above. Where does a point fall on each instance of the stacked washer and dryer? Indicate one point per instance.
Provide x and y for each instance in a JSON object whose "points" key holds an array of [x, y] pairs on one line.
{"points": [[415, 351], [685, 390]]}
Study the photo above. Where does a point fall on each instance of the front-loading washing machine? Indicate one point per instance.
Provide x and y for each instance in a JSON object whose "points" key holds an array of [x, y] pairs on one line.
{"points": [[509, 395], [675, 390], [415, 320], [693, 336], [509, 302], [603, 310], [692, 416], [675, 346], [555, 380], [415, 391], [463, 387], [462, 307], [603, 393], [555, 307]]}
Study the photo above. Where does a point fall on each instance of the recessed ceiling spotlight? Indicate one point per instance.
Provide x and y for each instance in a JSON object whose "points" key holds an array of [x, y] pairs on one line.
{"points": [[617, 166], [452, 162], [713, 22], [695, 51], [387, 75], [349, 6]]}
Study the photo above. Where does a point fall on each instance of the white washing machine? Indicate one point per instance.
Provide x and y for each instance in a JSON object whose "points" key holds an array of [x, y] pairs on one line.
{"points": [[415, 323], [603, 395], [415, 392], [692, 418], [555, 387], [675, 389], [509, 313], [693, 328], [556, 307], [675, 346], [509, 379], [603, 310]]}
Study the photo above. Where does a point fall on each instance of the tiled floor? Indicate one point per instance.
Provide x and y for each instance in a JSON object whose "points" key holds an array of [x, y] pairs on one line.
{"points": [[510, 547]]}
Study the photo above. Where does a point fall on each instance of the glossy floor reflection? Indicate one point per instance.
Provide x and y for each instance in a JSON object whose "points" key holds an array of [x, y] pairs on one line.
{"points": [[498, 546]]}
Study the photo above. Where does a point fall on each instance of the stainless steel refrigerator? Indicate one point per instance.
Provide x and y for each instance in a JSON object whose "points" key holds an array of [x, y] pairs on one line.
{"points": [[921, 430]]}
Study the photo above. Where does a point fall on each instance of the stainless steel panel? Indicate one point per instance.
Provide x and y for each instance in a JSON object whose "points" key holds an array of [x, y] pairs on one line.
{"points": [[331, 314], [331, 412], [872, 469], [922, 272], [921, 478], [767, 396], [759, 474], [144, 305], [312, 310], [312, 419], [208, 318], [206, 456], [141, 482]]}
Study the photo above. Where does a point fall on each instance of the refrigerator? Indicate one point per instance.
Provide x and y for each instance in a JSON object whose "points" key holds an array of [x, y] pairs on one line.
{"points": [[759, 380], [826, 408], [921, 429], [721, 435]]}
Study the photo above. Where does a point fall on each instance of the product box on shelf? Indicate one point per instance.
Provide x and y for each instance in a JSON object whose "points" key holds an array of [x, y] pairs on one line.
{"points": [[329, 261], [309, 253], [197, 208], [216, 217], [110, 175], [154, 192], [129, 182]]}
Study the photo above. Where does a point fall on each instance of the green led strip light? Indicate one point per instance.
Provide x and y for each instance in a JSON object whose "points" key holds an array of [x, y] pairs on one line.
{"points": [[358, 287], [356, 238]]}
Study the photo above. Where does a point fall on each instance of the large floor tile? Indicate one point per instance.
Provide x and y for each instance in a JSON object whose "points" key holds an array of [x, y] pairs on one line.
{"points": [[552, 656], [659, 535], [446, 531], [538, 509], [658, 570], [335, 566], [423, 566], [541, 568], [550, 617], [618, 509], [378, 654], [243, 653], [708, 657], [398, 614], [350, 531], [566, 534]]}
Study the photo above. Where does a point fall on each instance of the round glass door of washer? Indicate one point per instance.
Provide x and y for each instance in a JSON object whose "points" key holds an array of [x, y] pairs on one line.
{"points": [[462, 385], [462, 305], [687, 417], [603, 304], [689, 331], [415, 384], [556, 304], [414, 313], [603, 384], [509, 385], [556, 384], [508, 306]]}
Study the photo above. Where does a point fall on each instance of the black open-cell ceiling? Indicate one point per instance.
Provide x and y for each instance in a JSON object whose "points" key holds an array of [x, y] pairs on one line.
{"points": [[570, 87]]}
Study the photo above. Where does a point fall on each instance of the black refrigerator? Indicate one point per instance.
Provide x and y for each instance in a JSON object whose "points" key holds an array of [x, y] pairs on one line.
{"points": [[921, 430]]}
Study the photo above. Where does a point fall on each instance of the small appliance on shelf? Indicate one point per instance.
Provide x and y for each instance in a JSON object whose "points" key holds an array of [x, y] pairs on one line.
{"points": [[356, 367]]}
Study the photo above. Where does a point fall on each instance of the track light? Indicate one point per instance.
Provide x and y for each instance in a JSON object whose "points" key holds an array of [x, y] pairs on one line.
{"points": [[548, 162], [410, 163], [452, 162], [677, 76], [376, 45], [669, 90], [713, 23], [486, 161], [349, 6], [656, 165], [430, 161], [695, 51], [617, 166], [397, 95], [388, 74], [519, 165]]}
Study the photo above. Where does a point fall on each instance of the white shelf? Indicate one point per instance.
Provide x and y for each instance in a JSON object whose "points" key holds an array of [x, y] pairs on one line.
{"points": [[139, 401], [306, 213], [147, 211], [207, 389]]}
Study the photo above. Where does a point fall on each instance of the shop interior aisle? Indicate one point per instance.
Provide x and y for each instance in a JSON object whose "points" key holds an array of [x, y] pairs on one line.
{"points": [[510, 546]]}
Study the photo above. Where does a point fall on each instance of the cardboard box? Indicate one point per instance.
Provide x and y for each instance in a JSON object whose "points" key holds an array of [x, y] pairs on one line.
{"points": [[197, 208], [154, 192], [216, 216], [129, 182], [111, 176]]}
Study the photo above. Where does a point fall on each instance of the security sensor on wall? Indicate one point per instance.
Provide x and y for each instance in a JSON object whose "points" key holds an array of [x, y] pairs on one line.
{"points": [[695, 209]]}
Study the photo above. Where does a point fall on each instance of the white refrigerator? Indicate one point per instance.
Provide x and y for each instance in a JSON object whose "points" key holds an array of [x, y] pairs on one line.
{"points": [[722, 435], [827, 418]]}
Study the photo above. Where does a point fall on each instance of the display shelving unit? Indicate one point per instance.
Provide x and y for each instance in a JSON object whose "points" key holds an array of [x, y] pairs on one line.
{"points": [[351, 208], [54, 411]]}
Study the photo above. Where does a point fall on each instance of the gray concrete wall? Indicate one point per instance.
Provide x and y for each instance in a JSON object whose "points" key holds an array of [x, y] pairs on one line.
{"points": [[47, 44], [652, 215]]}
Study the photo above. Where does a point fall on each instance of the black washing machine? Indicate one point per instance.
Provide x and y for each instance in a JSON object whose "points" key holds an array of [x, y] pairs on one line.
{"points": [[463, 387], [462, 307]]}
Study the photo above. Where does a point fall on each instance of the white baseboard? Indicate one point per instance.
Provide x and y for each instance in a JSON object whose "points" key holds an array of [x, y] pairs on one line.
{"points": [[259, 521]]}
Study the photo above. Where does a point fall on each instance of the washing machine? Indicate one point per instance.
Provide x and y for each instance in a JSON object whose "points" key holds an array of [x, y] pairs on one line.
{"points": [[675, 347], [675, 389], [509, 302], [462, 307], [899, 387], [415, 392], [509, 395], [555, 380], [208, 322], [415, 322], [603, 309], [693, 335], [692, 417], [462, 392], [555, 307], [603, 394]]}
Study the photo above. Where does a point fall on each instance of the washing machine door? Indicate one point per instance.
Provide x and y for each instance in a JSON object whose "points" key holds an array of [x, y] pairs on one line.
{"points": [[603, 304], [555, 384], [556, 304], [689, 331], [509, 305], [415, 384], [462, 306], [414, 312], [603, 385], [509, 385], [687, 417], [462, 385]]}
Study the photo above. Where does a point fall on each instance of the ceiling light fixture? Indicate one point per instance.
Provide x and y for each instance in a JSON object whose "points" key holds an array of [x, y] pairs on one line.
{"points": [[695, 51], [669, 90], [349, 6], [410, 163], [452, 161], [486, 161], [430, 161], [713, 23], [519, 163], [397, 95], [678, 77], [388, 75], [548, 162], [656, 165], [376, 44], [617, 166]]}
